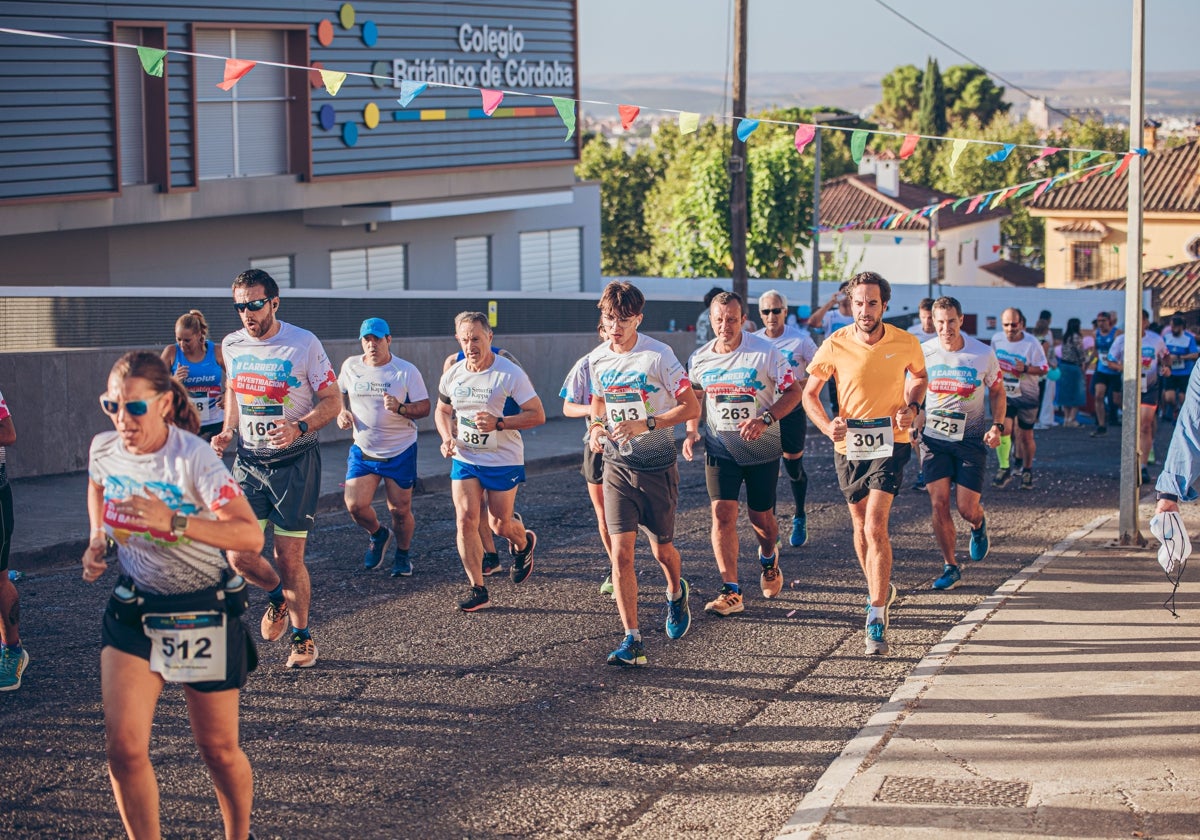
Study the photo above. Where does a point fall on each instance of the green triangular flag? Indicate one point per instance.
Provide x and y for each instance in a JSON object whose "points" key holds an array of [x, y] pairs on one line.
{"points": [[566, 112], [1026, 188], [152, 60], [858, 143], [1086, 159]]}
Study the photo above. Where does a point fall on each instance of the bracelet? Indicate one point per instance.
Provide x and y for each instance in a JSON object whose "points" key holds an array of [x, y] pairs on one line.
{"points": [[595, 421]]}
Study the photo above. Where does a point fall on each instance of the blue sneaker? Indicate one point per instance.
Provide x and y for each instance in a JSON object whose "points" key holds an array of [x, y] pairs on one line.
{"points": [[979, 541], [12, 667], [679, 617], [950, 579], [799, 531], [401, 564], [876, 639], [374, 555], [630, 654]]}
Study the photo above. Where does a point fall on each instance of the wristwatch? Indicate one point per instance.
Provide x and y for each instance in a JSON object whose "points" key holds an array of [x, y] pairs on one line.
{"points": [[302, 426], [767, 418], [500, 424], [179, 523], [999, 426], [651, 423]]}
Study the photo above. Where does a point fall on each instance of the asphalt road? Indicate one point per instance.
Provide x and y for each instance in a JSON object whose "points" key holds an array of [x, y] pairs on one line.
{"points": [[421, 721]]}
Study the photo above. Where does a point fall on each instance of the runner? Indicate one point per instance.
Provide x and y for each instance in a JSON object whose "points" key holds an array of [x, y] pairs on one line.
{"points": [[484, 440], [798, 348], [576, 395], [924, 330], [13, 657], [1106, 382], [199, 365], [871, 434], [747, 385], [1022, 363], [383, 396], [175, 613], [639, 392], [282, 390], [961, 370], [1181, 344], [1153, 356]]}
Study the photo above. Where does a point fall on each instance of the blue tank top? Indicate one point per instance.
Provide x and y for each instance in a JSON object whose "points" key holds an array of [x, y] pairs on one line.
{"points": [[204, 383], [1104, 343]]}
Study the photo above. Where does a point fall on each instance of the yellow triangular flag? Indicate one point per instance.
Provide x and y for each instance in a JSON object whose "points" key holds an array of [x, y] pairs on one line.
{"points": [[333, 81], [959, 146], [688, 122]]}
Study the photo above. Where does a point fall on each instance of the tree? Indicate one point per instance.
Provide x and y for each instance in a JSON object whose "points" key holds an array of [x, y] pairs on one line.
{"points": [[625, 181], [931, 112], [969, 91], [901, 98]]}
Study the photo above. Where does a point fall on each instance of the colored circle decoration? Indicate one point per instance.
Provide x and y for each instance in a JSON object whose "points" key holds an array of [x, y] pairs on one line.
{"points": [[350, 133], [314, 75], [326, 117], [381, 72], [370, 33], [371, 115], [325, 33], [346, 15]]}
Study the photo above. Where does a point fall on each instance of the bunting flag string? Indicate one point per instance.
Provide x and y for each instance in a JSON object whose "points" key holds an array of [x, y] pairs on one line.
{"points": [[153, 62]]}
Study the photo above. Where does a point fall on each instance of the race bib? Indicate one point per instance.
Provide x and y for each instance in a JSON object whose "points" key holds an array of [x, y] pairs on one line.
{"points": [[203, 404], [187, 647], [623, 404], [945, 425], [726, 411], [256, 422], [867, 440], [469, 434], [1012, 387]]}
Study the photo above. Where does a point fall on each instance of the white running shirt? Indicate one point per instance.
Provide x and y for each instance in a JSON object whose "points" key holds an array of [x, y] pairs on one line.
{"points": [[378, 432], [487, 390]]}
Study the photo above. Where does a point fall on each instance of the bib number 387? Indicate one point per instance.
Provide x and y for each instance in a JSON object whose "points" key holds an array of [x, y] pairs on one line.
{"points": [[187, 647], [867, 440]]}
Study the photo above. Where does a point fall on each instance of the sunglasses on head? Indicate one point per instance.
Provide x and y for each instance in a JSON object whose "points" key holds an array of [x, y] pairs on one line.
{"points": [[776, 311], [134, 408], [252, 305]]}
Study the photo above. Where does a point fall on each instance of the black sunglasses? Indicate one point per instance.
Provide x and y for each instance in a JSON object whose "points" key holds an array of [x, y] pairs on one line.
{"points": [[777, 311], [252, 305]]}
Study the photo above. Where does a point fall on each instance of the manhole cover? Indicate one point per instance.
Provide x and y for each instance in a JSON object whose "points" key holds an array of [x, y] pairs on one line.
{"points": [[968, 792]]}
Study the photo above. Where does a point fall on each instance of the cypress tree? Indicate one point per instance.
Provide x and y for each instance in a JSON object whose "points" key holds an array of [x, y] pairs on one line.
{"points": [[932, 112]]}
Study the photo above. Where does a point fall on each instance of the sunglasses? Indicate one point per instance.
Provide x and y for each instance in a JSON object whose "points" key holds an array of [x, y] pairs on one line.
{"points": [[134, 408], [778, 311], [252, 305]]}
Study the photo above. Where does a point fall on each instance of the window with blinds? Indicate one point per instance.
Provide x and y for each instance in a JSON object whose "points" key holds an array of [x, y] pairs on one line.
{"points": [[380, 269], [243, 131], [280, 269], [551, 260], [473, 263], [141, 126]]}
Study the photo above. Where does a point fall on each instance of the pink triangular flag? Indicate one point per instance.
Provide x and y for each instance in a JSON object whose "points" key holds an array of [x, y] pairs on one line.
{"points": [[491, 100], [909, 146], [974, 203], [804, 136], [628, 113], [1045, 153], [1129, 156], [1042, 187], [235, 68]]}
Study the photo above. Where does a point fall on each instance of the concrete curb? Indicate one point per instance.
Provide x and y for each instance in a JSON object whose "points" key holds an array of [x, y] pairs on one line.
{"points": [[814, 810]]}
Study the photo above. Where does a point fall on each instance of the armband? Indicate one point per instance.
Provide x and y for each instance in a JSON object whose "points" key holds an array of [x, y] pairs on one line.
{"points": [[1168, 497]]}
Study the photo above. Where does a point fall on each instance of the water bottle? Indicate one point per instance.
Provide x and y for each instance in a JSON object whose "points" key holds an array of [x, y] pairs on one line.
{"points": [[14, 575], [671, 325]]}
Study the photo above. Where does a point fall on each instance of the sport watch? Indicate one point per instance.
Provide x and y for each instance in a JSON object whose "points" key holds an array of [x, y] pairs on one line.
{"points": [[651, 423], [767, 417], [179, 523], [302, 426]]}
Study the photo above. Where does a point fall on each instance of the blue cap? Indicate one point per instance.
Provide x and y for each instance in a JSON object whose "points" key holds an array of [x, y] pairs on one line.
{"points": [[374, 326], [804, 311]]}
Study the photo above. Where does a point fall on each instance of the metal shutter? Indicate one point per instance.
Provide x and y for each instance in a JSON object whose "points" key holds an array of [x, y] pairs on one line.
{"points": [[131, 107], [387, 268], [535, 261], [473, 263]]}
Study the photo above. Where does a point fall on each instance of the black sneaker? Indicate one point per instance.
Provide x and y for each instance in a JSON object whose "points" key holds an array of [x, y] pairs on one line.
{"points": [[491, 563], [1100, 431], [1027, 481], [522, 561], [1003, 476], [476, 600]]}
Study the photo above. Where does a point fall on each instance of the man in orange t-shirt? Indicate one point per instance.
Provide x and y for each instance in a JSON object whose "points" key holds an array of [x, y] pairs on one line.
{"points": [[871, 440]]}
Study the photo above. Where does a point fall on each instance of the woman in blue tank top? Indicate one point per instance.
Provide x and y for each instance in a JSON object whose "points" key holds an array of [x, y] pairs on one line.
{"points": [[198, 365]]}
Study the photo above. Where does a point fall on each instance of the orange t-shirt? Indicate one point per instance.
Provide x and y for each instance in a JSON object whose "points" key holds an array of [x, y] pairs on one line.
{"points": [[870, 378]]}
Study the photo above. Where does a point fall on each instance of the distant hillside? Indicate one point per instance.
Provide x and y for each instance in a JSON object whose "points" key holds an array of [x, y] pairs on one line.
{"points": [[1167, 94]]}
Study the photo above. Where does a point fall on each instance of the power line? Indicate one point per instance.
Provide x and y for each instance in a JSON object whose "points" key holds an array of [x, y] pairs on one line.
{"points": [[978, 64]]}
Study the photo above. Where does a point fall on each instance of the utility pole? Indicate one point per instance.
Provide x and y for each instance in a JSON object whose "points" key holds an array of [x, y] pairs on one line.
{"points": [[818, 118], [737, 157], [1132, 370]]}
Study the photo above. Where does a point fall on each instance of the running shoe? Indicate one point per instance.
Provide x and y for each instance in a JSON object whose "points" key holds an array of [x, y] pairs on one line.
{"points": [[12, 666], [374, 555], [950, 579], [630, 654], [980, 544], [920, 485], [1099, 431], [491, 563], [727, 602], [1145, 475], [477, 599], [607, 588], [1027, 480], [522, 563], [771, 578], [679, 617], [401, 564], [274, 621], [799, 530], [876, 639], [304, 652], [1002, 477]]}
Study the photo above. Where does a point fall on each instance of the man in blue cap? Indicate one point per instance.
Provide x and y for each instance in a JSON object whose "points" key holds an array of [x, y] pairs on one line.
{"points": [[382, 398]]}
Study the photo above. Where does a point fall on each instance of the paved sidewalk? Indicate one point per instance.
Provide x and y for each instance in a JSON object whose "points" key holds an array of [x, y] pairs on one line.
{"points": [[1066, 705]]}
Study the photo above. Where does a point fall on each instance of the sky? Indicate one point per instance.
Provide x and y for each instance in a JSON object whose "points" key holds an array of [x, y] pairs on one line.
{"points": [[814, 36]]}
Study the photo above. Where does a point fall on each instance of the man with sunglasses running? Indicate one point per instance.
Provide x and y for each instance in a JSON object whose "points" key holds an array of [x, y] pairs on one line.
{"points": [[282, 389]]}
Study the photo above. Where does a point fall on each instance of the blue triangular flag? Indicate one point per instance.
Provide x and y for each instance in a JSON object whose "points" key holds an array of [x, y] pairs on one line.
{"points": [[410, 90], [746, 128], [1001, 154]]}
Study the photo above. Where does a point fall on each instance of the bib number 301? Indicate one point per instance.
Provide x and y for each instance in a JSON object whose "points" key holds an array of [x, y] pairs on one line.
{"points": [[867, 440], [187, 647]]}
